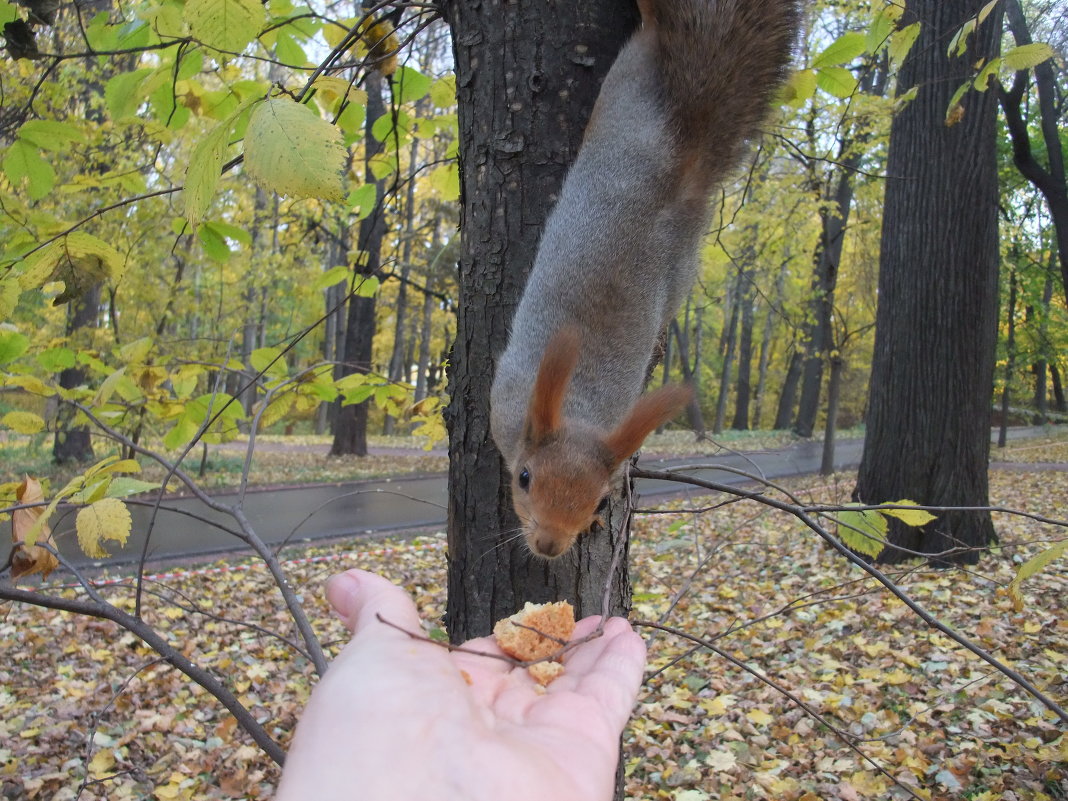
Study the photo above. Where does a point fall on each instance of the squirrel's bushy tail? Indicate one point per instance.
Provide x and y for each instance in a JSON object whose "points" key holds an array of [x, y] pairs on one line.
{"points": [[721, 61]]}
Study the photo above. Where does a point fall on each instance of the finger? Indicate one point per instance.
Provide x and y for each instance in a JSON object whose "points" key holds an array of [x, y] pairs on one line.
{"points": [[472, 659], [614, 675], [361, 598]]}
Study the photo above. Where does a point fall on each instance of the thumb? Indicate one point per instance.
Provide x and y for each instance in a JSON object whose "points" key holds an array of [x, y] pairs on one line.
{"points": [[361, 598]]}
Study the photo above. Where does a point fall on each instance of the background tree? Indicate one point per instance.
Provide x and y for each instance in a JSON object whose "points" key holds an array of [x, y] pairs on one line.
{"points": [[928, 433]]}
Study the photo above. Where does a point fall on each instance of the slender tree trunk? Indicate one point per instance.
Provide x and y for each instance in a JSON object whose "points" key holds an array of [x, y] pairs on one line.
{"points": [[73, 441], [730, 336], [1041, 366], [527, 75], [830, 431], [350, 425], [1049, 180], [694, 417], [1010, 362], [1058, 389], [785, 412], [928, 427], [745, 359]]}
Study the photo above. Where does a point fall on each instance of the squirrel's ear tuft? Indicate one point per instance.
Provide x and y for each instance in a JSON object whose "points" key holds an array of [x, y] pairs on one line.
{"points": [[545, 414], [647, 414]]}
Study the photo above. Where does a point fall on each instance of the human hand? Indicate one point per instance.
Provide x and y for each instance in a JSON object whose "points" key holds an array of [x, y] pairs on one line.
{"points": [[400, 718]]}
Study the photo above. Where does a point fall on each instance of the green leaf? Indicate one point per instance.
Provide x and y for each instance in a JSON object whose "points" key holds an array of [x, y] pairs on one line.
{"points": [[445, 179], [863, 531], [409, 85], [882, 28], [1027, 56], [137, 351], [214, 243], [366, 287], [56, 359], [443, 91], [985, 12], [335, 275], [841, 51], [986, 74], [10, 291], [268, 361], [901, 43], [800, 88], [954, 110], [23, 162], [836, 81], [1033, 566], [78, 259], [8, 12], [122, 95], [12, 345], [107, 388], [202, 175], [910, 517], [959, 43], [291, 150], [23, 422], [226, 25], [364, 199], [51, 134], [123, 487]]}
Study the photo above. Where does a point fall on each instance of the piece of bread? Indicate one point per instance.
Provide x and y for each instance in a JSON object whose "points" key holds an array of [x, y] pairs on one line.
{"points": [[542, 630]]}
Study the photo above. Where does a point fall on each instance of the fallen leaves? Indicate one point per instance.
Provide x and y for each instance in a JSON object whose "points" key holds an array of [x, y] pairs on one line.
{"points": [[936, 718]]}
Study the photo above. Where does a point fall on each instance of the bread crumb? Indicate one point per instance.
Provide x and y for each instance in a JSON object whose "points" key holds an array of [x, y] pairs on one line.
{"points": [[542, 631]]}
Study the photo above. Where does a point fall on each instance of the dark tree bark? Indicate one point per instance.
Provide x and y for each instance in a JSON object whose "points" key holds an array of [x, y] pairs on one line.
{"points": [[350, 424], [1048, 179], [1010, 362], [834, 393], [785, 411], [73, 441], [928, 427], [745, 357], [1058, 389], [694, 417], [727, 341], [1040, 367], [527, 75]]}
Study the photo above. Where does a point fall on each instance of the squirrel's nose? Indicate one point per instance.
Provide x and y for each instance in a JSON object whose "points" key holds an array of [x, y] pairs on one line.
{"points": [[546, 545]]}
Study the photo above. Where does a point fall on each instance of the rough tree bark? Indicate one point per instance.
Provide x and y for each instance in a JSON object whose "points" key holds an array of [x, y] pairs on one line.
{"points": [[527, 76], [350, 422], [928, 434]]}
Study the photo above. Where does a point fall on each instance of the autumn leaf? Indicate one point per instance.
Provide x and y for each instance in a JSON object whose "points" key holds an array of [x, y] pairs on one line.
{"points": [[27, 559], [106, 519]]}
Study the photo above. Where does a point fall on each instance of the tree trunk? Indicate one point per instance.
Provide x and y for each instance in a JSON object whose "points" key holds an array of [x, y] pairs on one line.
{"points": [[527, 75], [928, 427], [1058, 389], [1010, 362], [1049, 180], [834, 391], [350, 425], [745, 357], [73, 441], [788, 397], [1042, 364], [694, 417], [728, 340]]}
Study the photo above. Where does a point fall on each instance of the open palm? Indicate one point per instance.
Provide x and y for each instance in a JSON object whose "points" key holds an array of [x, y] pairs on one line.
{"points": [[396, 717]]}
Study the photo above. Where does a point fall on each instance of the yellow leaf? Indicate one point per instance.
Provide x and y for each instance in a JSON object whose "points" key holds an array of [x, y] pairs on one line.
{"points": [[23, 422], [721, 761], [910, 517], [102, 764], [759, 717], [897, 676], [106, 519], [1032, 628]]}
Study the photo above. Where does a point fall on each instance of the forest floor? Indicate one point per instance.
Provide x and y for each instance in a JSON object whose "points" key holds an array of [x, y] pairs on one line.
{"points": [[86, 708]]}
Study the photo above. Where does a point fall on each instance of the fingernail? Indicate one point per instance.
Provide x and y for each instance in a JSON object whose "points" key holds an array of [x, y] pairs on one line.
{"points": [[341, 592]]}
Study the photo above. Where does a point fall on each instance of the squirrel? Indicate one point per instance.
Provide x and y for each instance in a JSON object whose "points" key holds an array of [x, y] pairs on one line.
{"points": [[620, 251]]}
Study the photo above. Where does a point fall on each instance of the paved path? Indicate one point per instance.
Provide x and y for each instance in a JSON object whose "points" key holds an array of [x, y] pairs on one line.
{"points": [[324, 511]]}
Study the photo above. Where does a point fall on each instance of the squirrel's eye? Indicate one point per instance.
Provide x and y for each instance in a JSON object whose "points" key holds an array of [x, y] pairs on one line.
{"points": [[524, 479]]}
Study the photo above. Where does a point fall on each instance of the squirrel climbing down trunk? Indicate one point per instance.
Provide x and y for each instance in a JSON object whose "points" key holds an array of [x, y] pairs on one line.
{"points": [[620, 251]]}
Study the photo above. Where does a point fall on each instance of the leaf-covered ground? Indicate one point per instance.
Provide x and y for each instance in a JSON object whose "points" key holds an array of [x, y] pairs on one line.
{"points": [[86, 706]]}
